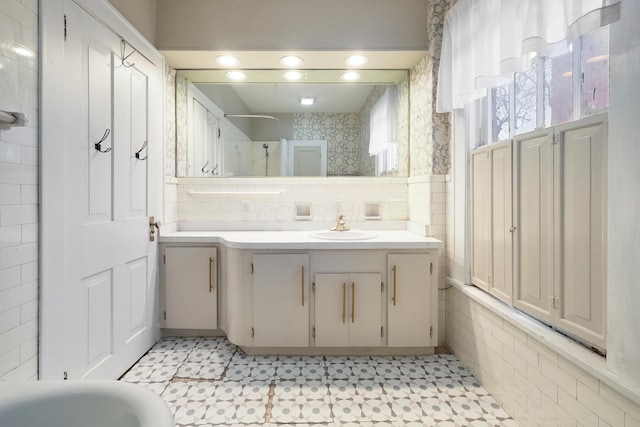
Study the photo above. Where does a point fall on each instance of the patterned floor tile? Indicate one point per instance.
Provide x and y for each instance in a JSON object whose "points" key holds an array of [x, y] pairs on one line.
{"points": [[295, 371], [157, 388], [199, 391], [210, 355], [154, 358], [209, 382], [200, 370], [151, 374], [301, 409], [175, 343], [293, 389]]}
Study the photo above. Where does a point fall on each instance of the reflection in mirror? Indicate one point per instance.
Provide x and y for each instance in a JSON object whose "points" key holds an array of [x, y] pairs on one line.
{"points": [[263, 129]]}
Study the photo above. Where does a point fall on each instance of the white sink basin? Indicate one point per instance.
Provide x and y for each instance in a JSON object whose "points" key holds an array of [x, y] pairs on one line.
{"points": [[343, 235]]}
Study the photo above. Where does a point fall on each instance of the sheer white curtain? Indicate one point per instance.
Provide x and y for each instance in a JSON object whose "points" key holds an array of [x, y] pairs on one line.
{"points": [[484, 41], [382, 122]]}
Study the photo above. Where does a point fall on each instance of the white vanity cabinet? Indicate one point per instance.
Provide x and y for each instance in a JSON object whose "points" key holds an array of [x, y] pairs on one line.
{"points": [[412, 300], [280, 300], [190, 287], [286, 292], [348, 310]]}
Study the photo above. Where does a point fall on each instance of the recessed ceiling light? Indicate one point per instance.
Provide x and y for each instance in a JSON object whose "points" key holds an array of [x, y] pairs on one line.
{"points": [[350, 76], [236, 75], [356, 60], [293, 75], [291, 61], [227, 60], [307, 100]]}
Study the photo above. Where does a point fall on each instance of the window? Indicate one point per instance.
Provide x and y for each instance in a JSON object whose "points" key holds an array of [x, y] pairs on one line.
{"points": [[594, 85], [551, 92], [382, 132]]}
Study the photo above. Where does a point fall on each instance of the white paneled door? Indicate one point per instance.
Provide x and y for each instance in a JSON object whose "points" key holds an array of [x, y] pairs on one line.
{"points": [[105, 318]]}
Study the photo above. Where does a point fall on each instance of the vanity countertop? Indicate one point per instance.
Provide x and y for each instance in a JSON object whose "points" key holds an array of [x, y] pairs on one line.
{"points": [[382, 239]]}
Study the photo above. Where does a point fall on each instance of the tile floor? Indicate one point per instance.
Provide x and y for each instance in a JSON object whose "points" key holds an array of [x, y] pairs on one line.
{"points": [[210, 382]]}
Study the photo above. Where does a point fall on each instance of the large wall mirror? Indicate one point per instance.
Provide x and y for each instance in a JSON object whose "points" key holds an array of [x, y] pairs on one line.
{"points": [[319, 125]]}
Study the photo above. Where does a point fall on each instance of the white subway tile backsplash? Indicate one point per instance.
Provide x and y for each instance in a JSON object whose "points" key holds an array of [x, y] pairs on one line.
{"points": [[29, 350], [605, 410], [9, 194], [9, 360], [18, 174], [18, 214], [10, 236], [9, 319], [29, 311], [17, 255], [29, 155], [19, 191], [10, 152], [9, 277]]}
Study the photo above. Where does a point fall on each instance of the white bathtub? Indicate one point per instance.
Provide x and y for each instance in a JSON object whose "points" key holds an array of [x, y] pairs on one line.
{"points": [[81, 403]]}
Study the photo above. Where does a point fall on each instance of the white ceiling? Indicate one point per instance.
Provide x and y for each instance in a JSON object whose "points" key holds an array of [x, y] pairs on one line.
{"points": [[285, 98]]}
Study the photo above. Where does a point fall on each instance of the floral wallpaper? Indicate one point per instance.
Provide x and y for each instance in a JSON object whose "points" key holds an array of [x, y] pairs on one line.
{"points": [[429, 131], [340, 130], [181, 125], [170, 122]]}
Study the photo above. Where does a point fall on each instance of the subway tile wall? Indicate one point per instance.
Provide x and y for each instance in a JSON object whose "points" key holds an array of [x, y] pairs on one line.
{"points": [[241, 203], [535, 384], [428, 205], [19, 192]]}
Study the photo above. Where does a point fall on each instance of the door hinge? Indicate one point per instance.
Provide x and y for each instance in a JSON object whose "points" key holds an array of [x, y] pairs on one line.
{"points": [[253, 332], [554, 301], [431, 268], [65, 375], [554, 140], [164, 258], [431, 331], [313, 332], [313, 287], [381, 286], [65, 39], [382, 331], [251, 268], [219, 133]]}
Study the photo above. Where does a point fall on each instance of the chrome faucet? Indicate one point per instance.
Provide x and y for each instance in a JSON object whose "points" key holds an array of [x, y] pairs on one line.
{"points": [[341, 225]]}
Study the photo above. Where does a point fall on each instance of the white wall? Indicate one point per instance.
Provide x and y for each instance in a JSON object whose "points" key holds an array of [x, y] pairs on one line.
{"points": [[623, 341], [19, 193]]}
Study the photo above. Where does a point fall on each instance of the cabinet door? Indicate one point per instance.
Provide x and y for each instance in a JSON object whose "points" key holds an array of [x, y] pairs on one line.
{"points": [[581, 273], [409, 305], [481, 219], [501, 275], [348, 310], [534, 220], [281, 300], [331, 308], [191, 288], [365, 309]]}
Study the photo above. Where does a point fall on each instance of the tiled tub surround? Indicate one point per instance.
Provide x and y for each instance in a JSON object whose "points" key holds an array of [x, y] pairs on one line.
{"points": [[209, 381]]}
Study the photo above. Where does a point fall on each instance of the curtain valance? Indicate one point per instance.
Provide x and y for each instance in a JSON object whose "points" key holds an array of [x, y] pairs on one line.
{"points": [[485, 41]]}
